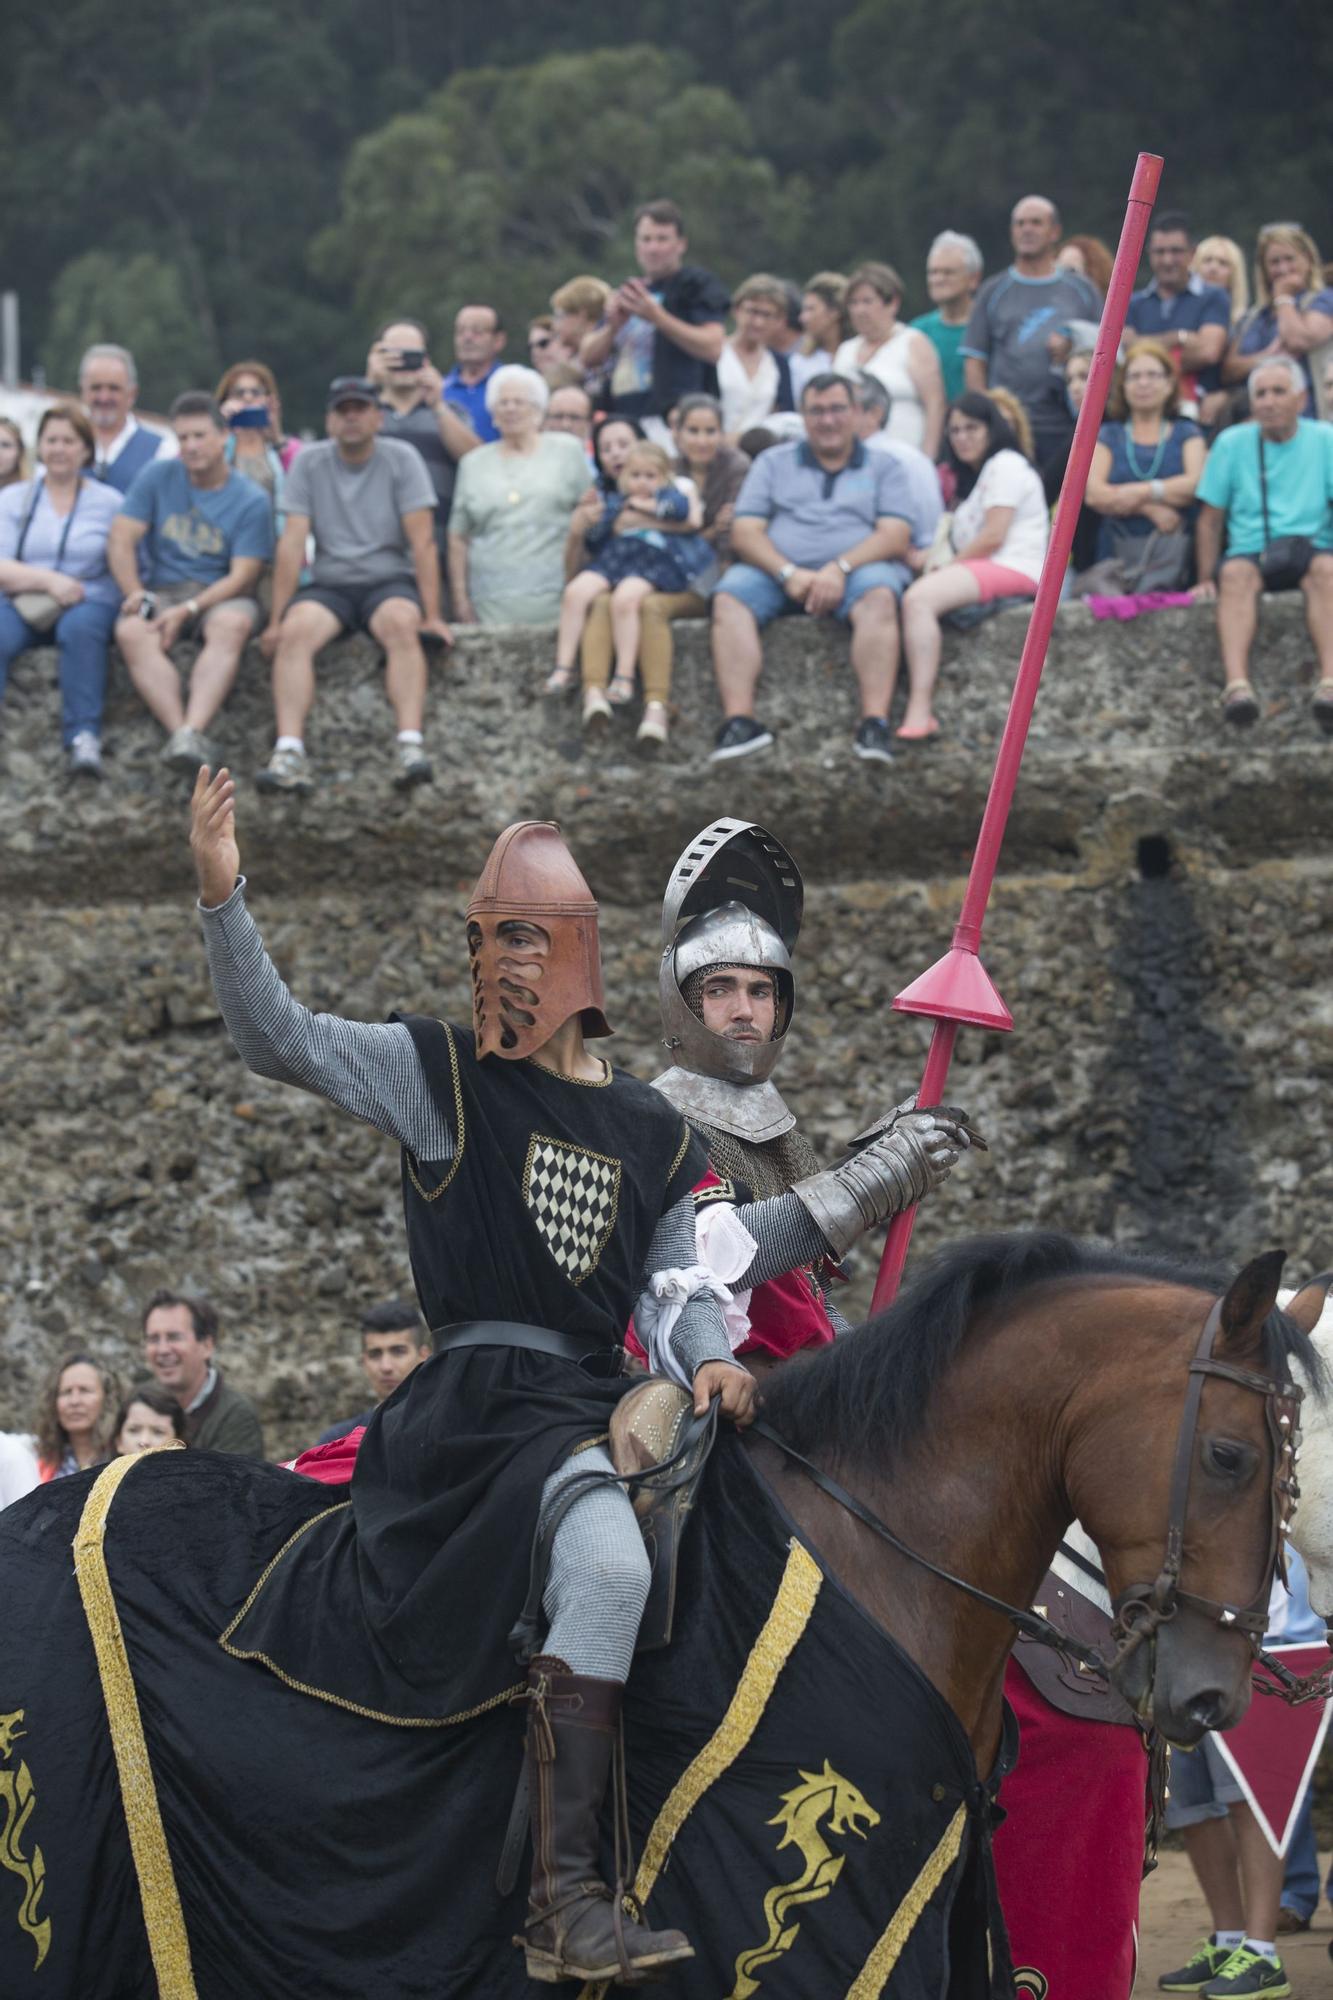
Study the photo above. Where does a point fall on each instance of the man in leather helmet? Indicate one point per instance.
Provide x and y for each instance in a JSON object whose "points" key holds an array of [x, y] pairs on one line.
{"points": [[729, 923], [543, 1192]]}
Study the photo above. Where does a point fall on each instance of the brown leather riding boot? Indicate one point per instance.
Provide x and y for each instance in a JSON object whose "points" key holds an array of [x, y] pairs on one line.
{"points": [[576, 1927]]}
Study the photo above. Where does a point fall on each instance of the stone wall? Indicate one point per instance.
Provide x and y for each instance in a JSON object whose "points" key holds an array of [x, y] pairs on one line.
{"points": [[1160, 931]]}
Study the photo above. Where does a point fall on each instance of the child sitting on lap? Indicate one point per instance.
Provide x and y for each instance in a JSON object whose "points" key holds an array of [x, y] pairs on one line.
{"points": [[645, 541]]}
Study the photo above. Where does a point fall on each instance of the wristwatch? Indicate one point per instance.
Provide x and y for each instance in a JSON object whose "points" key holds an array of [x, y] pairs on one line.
{"points": [[788, 569], [1157, 489], [843, 565], [193, 607]]}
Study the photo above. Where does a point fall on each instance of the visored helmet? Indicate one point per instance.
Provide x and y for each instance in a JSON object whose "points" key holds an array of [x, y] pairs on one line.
{"points": [[734, 898], [527, 983]]}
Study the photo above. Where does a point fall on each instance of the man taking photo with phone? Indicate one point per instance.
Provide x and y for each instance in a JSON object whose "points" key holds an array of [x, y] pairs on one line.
{"points": [[411, 399]]}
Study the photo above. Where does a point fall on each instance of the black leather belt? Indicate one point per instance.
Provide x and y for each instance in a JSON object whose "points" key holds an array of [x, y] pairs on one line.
{"points": [[575, 1347]]}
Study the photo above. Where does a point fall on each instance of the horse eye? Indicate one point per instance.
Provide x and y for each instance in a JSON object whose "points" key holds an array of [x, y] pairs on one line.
{"points": [[1225, 1459]]}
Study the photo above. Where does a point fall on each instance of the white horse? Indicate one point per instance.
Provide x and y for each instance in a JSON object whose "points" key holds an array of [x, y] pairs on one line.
{"points": [[1312, 1529]]}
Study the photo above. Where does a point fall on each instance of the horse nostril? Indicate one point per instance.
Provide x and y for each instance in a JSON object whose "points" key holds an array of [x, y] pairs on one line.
{"points": [[1207, 1709]]}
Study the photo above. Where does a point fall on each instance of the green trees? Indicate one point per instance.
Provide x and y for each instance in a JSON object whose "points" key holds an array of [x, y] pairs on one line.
{"points": [[506, 182]]}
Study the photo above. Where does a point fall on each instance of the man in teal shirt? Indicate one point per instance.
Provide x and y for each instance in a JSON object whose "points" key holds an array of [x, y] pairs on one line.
{"points": [[954, 266], [1266, 483]]}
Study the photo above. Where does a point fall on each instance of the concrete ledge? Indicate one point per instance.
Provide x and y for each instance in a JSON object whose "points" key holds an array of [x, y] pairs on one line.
{"points": [[1128, 728]]}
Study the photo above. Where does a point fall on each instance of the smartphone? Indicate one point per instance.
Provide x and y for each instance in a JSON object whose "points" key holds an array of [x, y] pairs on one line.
{"points": [[409, 360], [252, 417]]}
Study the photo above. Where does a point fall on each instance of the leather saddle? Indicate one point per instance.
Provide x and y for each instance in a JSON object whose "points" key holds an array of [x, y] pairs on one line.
{"points": [[659, 1445]]}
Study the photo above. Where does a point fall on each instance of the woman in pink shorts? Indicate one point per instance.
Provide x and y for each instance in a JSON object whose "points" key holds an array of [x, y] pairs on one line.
{"points": [[997, 540]]}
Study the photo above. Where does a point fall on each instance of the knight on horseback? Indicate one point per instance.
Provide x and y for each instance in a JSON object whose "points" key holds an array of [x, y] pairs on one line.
{"points": [[730, 922], [543, 1190]]}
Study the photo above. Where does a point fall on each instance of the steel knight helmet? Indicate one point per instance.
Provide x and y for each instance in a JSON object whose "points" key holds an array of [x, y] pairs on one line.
{"points": [[734, 898], [522, 995]]}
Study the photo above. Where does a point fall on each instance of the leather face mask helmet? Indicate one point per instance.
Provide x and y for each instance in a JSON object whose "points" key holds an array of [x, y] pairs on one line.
{"points": [[532, 944]]}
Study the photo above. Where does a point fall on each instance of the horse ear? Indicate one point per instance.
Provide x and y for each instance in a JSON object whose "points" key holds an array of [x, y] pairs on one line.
{"points": [[1308, 1305], [1250, 1300]]}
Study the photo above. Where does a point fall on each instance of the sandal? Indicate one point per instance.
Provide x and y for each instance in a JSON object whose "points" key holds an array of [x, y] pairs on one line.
{"points": [[1321, 707], [1239, 704], [914, 733], [621, 690], [558, 683]]}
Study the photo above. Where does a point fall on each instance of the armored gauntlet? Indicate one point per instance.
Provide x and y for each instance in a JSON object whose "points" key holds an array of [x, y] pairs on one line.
{"points": [[893, 1172]]}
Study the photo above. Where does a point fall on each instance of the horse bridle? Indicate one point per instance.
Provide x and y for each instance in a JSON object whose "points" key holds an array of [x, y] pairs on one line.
{"points": [[1143, 1609]]}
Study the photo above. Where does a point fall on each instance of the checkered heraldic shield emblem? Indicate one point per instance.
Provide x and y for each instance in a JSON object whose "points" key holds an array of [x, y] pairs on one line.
{"points": [[573, 1196]]}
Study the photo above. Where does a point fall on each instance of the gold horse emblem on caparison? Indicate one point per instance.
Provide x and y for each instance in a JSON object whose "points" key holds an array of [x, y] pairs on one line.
{"points": [[822, 1799], [17, 1799]]}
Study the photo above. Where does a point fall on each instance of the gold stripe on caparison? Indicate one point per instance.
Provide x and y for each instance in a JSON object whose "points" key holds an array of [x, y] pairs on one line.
{"points": [[786, 1622], [874, 1975], [164, 1920]]}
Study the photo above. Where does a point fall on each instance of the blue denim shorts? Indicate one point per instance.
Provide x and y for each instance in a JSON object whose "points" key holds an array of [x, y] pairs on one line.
{"points": [[765, 599], [1202, 1785]]}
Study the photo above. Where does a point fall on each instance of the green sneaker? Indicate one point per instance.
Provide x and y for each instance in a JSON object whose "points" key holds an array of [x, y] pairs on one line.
{"points": [[1207, 1959], [1247, 1972]]}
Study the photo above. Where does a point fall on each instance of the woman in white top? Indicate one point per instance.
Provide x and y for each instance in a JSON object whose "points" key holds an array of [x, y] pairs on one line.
{"points": [[997, 542], [905, 361], [823, 328], [752, 380]]}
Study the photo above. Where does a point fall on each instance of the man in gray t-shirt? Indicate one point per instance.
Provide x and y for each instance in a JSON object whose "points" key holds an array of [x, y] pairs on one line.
{"points": [[369, 504], [1007, 344]]}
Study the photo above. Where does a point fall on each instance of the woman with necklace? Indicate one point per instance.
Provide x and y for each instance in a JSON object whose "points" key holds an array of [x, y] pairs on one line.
{"points": [[1148, 460], [513, 503], [56, 587]]}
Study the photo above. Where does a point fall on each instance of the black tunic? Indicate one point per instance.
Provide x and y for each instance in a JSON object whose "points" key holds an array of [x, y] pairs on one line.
{"points": [[402, 1604]]}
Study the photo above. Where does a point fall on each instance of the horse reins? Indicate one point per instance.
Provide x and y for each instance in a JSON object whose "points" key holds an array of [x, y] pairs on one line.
{"points": [[1143, 1608]]}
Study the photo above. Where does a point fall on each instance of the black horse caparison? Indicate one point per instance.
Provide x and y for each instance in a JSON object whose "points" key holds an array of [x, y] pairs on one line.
{"points": [[1020, 1382]]}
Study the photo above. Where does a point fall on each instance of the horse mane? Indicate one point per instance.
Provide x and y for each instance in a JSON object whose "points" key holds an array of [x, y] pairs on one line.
{"points": [[864, 1396]]}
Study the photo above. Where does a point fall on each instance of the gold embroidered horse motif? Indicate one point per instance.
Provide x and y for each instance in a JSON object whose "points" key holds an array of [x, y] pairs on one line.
{"points": [[822, 1796], [17, 1799]]}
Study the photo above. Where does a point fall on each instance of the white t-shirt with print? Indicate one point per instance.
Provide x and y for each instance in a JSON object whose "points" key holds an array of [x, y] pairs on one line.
{"points": [[1007, 480]]}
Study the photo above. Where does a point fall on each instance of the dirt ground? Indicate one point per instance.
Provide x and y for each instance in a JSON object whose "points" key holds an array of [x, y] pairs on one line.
{"points": [[1172, 1915]]}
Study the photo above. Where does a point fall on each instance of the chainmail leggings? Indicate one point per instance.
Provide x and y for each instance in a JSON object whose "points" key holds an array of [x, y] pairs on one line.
{"points": [[598, 1581]]}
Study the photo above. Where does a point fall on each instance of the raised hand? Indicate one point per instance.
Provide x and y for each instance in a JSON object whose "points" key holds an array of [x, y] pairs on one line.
{"points": [[217, 858]]}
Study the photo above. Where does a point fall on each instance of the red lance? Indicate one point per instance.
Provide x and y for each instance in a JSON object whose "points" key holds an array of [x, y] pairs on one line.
{"points": [[957, 988]]}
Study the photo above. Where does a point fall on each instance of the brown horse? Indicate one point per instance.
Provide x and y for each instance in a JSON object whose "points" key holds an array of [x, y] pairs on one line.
{"points": [[1022, 1381]]}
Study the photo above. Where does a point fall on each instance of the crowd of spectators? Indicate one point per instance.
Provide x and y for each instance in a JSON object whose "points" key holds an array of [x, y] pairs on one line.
{"points": [[672, 450], [178, 1396]]}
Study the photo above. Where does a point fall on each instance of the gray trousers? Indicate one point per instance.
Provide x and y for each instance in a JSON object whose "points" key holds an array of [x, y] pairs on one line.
{"points": [[598, 1581]]}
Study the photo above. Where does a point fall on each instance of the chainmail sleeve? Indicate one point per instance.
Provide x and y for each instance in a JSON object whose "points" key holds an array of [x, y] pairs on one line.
{"points": [[700, 1334], [787, 1235], [368, 1068]]}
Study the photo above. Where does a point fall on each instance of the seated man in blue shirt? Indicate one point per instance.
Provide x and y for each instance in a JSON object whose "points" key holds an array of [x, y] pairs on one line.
{"points": [[207, 533], [822, 527], [1177, 308], [1269, 486]]}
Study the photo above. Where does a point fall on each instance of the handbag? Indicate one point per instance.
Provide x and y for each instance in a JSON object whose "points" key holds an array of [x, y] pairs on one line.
{"points": [[1138, 564], [38, 609], [1284, 561]]}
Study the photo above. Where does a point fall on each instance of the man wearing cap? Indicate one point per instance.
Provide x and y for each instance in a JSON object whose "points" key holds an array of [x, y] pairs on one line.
{"points": [[369, 503], [545, 1195], [729, 924]]}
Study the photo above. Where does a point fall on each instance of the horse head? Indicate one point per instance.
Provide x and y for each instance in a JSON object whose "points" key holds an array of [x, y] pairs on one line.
{"points": [[1191, 1529]]}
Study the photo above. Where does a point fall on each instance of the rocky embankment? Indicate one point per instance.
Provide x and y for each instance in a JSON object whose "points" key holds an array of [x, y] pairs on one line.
{"points": [[1160, 931]]}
